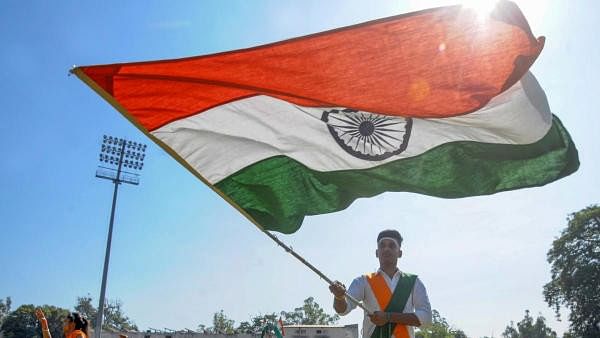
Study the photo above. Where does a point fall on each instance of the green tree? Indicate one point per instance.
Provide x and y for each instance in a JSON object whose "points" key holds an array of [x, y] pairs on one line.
{"points": [[222, 324], [84, 307], [257, 323], [4, 308], [202, 328], [529, 328], [439, 328], [311, 313], [23, 323], [245, 327], [575, 268], [458, 333], [114, 317]]}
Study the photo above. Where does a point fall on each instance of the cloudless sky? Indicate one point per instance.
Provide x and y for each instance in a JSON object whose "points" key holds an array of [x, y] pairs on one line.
{"points": [[180, 253]]}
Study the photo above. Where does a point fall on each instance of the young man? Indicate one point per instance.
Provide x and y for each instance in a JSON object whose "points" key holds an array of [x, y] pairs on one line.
{"points": [[399, 300]]}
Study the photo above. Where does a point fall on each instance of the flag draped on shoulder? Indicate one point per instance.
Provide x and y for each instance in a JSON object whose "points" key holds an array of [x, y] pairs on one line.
{"points": [[437, 102]]}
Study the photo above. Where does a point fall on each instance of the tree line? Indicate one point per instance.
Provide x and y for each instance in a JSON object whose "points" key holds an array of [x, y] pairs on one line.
{"points": [[22, 322], [310, 313]]}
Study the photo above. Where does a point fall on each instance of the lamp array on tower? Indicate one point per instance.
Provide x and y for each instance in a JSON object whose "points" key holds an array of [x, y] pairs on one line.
{"points": [[134, 152], [118, 156]]}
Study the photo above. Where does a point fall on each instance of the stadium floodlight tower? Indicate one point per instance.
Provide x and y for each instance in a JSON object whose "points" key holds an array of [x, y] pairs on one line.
{"points": [[116, 155]]}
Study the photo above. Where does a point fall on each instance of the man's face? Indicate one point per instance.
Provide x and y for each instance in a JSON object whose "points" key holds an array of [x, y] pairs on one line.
{"points": [[388, 251]]}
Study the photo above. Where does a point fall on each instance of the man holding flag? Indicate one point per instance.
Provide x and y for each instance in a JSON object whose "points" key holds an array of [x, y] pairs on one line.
{"points": [[399, 300]]}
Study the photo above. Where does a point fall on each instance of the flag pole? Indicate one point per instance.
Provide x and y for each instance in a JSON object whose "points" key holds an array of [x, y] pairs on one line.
{"points": [[313, 268], [81, 75]]}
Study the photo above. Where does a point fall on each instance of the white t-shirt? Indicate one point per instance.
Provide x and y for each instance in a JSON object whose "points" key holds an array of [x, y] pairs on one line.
{"points": [[417, 303]]}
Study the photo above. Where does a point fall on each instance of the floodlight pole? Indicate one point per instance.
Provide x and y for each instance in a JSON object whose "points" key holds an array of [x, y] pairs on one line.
{"points": [[113, 152], [116, 181]]}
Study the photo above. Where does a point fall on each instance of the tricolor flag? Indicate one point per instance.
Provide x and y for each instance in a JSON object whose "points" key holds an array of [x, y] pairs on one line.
{"points": [[437, 102]]}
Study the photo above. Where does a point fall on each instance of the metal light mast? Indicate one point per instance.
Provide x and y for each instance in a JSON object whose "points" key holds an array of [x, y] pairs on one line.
{"points": [[115, 155]]}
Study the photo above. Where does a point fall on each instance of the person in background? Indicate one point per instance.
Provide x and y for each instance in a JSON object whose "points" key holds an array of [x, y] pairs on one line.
{"points": [[75, 325]]}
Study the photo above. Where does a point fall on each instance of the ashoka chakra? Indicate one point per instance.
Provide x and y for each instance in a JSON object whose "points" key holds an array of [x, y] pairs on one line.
{"points": [[368, 136]]}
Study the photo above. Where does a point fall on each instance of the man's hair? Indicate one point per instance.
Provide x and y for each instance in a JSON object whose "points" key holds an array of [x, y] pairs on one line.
{"points": [[391, 234]]}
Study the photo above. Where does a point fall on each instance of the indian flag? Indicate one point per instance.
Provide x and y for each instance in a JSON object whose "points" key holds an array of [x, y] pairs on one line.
{"points": [[436, 102]]}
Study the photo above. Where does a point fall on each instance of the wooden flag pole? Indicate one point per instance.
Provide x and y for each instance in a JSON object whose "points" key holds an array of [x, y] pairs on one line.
{"points": [[314, 269]]}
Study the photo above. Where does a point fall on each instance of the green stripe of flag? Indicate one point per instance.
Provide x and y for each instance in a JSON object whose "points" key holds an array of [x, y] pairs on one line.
{"points": [[279, 191]]}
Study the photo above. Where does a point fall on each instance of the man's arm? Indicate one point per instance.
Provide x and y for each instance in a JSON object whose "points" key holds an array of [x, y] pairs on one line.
{"points": [[339, 299], [341, 305], [421, 303], [380, 318], [405, 319]]}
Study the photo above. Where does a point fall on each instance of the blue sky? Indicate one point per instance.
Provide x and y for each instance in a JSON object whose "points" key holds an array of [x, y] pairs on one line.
{"points": [[180, 253]]}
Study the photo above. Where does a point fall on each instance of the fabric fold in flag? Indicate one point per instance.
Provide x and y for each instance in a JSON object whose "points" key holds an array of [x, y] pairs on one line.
{"points": [[436, 102]]}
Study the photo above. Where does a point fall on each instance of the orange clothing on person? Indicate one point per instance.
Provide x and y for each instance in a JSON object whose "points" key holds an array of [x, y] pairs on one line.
{"points": [[77, 334], [383, 294]]}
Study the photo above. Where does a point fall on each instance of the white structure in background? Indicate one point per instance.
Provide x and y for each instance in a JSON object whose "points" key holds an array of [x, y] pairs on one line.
{"points": [[321, 331], [291, 331]]}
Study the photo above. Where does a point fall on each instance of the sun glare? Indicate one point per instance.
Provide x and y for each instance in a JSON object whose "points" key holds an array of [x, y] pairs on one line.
{"points": [[482, 8]]}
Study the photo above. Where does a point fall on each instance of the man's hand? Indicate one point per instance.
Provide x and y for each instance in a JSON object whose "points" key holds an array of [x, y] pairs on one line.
{"points": [[379, 318], [338, 289], [42, 318]]}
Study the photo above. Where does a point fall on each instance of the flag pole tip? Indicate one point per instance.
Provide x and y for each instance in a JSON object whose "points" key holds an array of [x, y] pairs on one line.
{"points": [[72, 70]]}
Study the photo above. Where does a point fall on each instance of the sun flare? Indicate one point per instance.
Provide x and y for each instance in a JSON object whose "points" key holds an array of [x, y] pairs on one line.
{"points": [[482, 8]]}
